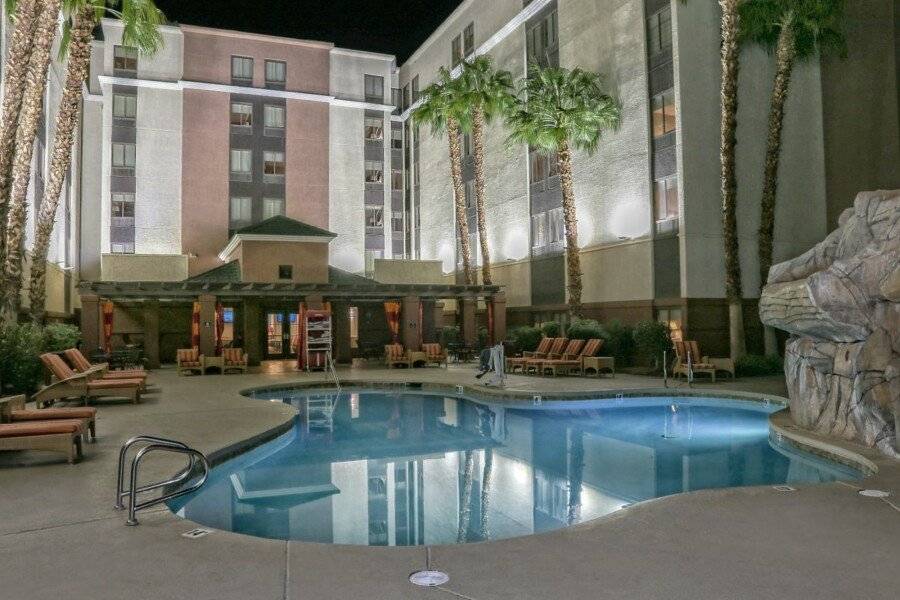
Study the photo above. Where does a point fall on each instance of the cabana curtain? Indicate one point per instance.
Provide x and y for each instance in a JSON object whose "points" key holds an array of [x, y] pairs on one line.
{"points": [[108, 309], [195, 326], [220, 327], [392, 314]]}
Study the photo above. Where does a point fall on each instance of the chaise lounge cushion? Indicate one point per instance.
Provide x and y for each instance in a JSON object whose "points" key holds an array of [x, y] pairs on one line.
{"points": [[88, 412], [26, 428], [113, 384]]}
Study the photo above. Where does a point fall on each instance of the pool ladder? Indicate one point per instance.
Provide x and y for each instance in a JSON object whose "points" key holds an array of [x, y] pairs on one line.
{"points": [[156, 444]]}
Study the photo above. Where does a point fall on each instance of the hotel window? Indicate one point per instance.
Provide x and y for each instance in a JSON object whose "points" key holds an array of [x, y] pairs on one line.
{"points": [[396, 179], [272, 207], [397, 138], [273, 164], [285, 271], [273, 116], [241, 114], [124, 106], [665, 199], [456, 51], [125, 58], [415, 88], [553, 166], [374, 128], [556, 228], [659, 31], [469, 39], [275, 71], [241, 212], [663, 107], [123, 206], [470, 193], [467, 144], [242, 68], [543, 42], [374, 172], [538, 229], [405, 97], [374, 217], [538, 167], [122, 248], [397, 221], [374, 86], [242, 162], [123, 156]]}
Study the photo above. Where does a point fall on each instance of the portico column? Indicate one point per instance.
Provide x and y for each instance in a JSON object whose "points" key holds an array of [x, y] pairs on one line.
{"points": [[410, 324], [498, 301], [90, 322], [468, 322], [151, 333], [340, 319], [429, 329], [207, 324], [252, 320]]}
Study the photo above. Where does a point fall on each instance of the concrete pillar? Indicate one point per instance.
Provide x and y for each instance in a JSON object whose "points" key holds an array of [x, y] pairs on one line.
{"points": [[207, 324], [498, 301], [151, 333], [429, 331], [341, 323], [90, 323], [252, 321], [469, 330], [410, 324]]}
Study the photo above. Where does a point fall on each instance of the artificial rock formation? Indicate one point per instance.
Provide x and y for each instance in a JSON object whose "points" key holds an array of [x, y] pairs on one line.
{"points": [[841, 303]]}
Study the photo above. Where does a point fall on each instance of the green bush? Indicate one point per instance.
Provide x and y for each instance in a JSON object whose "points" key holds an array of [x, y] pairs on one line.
{"points": [[584, 329], [550, 329], [651, 339], [449, 335], [618, 342], [20, 366], [751, 365], [524, 338], [60, 336]]}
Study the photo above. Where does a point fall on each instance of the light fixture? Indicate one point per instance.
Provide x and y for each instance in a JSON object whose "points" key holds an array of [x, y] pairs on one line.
{"points": [[428, 578]]}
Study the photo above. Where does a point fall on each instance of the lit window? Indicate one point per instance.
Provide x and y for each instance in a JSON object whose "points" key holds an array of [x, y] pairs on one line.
{"points": [[374, 217], [374, 87], [273, 164], [241, 212], [242, 162], [241, 114], [123, 205], [665, 198], [125, 58], [123, 155], [469, 39], [274, 116], [241, 67], [456, 51], [663, 107], [272, 207], [124, 106], [374, 172], [275, 71], [374, 128]]}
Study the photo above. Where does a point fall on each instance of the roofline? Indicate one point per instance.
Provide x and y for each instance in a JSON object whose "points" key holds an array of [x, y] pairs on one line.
{"points": [[445, 24], [172, 27], [364, 53], [264, 237], [256, 36]]}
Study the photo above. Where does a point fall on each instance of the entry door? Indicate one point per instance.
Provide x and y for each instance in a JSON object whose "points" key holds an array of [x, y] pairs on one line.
{"points": [[282, 333]]}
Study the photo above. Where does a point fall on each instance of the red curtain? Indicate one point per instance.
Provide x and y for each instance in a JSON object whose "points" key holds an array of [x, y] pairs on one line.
{"points": [[301, 359], [490, 322], [392, 313], [195, 326], [107, 324], [220, 327]]}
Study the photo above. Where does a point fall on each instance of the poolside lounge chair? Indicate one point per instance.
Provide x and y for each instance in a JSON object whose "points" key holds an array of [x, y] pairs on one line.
{"points": [[518, 362], [234, 359], [572, 362], [721, 364], [395, 355], [82, 365], [189, 360], [12, 410], [70, 384], [434, 354], [559, 346], [680, 367], [64, 436]]}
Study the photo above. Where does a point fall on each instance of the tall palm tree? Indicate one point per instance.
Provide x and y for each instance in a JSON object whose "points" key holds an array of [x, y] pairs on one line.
{"points": [[488, 94], [558, 110], [29, 117], [444, 109], [141, 20], [796, 30], [18, 54], [729, 99]]}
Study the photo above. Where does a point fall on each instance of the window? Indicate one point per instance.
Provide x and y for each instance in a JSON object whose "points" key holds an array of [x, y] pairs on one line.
{"points": [[542, 41], [395, 98], [538, 229], [124, 106], [242, 68], [123, 156], [556, 228], [470, 193], [665, 199], [405, 97], [415, 88], [396, 179], [242, 162], [123, 205], [397, 221], [125, 58], [374, 172], [374, 217], [467, 144], [456, 51], [241, 212], [374, 87], [374, 128], [663, 107], [397, 138], [552, 165], [285, 272], [273, 164], [241, 114], [538, 167], [469, 39], [272, 207], [659, 31], [122, 248], [273, 116], [275, 71]]}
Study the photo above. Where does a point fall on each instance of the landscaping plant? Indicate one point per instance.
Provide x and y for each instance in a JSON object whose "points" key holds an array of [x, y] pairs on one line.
{"points": [[524, 338], [584, 329], [651, 339]]}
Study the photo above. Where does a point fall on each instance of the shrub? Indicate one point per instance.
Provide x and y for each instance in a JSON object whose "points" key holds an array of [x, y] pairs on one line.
{"points": [[524, 338], [584, 329], [20, 366], [482, 337], [449, 335], [60, 336], [651, 339], [550, 329], [751, 365], [618, 342]]}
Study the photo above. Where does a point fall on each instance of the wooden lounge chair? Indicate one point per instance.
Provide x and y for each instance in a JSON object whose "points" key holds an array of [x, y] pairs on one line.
{"points": [[572, 362], [70, 384], [571, 351], [12, 410], [189, 360], [62, 435], [81, 364], [533, 364], [518, 362], [680, 366], [395, 355], [434, 354], [234, 359], [721, 364]]}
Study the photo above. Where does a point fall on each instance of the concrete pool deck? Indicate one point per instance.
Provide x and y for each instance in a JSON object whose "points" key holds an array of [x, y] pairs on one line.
{"points": [[59, 534]]}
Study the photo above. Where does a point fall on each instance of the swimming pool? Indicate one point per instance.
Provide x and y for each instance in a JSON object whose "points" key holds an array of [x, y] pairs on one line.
{"points": [[410, 468]]}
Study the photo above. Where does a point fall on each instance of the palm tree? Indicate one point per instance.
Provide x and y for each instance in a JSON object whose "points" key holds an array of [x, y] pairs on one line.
{"points": [[444, 109], [488, 93], [29, 116], [465, 503], [796, 30], [16, 68], [730, 65], [141, 21], [558, 110]]}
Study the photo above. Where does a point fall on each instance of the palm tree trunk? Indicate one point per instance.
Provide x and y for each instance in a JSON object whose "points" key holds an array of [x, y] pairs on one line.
{"points": [[487, 478], [29, 117], [573, 258], [459, 199], [730, 65], [14, 86], [576, 476], [61, 157], [784, 60], [465, 504], [478, 143]]}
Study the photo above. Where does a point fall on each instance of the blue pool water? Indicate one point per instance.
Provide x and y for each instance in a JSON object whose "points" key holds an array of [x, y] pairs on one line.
{"points": [[398, 468]]}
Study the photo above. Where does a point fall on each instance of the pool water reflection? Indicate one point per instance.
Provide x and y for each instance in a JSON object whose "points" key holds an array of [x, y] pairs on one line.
{"points": [[403, 469]]}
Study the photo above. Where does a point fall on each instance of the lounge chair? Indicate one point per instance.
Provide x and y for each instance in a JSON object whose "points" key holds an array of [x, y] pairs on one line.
{"points": [[572, 361], [189, 360], [721, 364], [70, 384], [680, 366], [12, 410], [518, 362], [395, 355], [62, 435], [81, 364], [434, 354], [234, 359], [533, 364]]}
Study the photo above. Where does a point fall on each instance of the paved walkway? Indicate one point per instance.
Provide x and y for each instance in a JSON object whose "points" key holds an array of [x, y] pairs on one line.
{"points": [[59, 535]]}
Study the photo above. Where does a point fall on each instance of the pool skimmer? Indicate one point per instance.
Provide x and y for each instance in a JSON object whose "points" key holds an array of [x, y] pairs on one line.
{"points": [[199, 532], [784, 488], [428, 578], [868, 493]]}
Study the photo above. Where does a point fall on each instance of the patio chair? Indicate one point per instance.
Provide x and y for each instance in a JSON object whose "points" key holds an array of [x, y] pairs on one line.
{"points": [[434, 354], [70, 384], [721, 364], [395, 355], [81, 364], [680, 366], [64, 435], [572, 361], [12, 410], [533, 364], [235, 359], [189, 360], [518, 362]]}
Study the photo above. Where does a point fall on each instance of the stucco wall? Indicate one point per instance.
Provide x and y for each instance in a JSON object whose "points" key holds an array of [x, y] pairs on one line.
{"points": [[260, 261], [408, 271], [306, 162], [143, 267], [90, 209], [346, 216]]}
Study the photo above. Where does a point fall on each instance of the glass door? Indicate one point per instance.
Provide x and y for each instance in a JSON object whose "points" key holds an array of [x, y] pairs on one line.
{"points": [[282, 333]]}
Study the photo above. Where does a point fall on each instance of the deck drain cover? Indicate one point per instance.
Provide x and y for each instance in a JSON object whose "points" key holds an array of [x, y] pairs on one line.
{"points": [[874, 493], [429, 578], [784, 488], [193, 534]]}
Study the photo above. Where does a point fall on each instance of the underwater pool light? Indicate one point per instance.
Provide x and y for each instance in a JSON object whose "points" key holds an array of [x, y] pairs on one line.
{"points": [[428, 578]]}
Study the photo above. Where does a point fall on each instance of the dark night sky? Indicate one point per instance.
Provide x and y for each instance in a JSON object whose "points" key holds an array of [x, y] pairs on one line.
{"points": [[391, 26]]}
